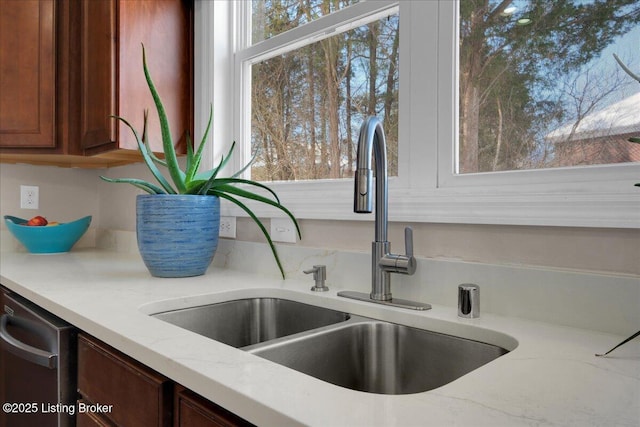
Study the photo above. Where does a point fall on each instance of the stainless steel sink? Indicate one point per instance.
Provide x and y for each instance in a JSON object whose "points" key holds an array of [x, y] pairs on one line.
{"points": [[347, 350], [244, 322], [380, 357]]}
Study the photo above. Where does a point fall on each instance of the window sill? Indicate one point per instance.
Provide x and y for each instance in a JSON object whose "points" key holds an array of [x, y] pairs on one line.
{"points": [[333, 200]]}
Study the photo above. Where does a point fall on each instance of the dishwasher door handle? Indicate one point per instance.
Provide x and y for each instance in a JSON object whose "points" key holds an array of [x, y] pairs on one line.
{"points": [[22, 350]]}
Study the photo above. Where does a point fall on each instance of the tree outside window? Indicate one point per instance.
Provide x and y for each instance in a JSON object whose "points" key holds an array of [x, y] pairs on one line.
{"points": [[307, 104], [539, 86]]}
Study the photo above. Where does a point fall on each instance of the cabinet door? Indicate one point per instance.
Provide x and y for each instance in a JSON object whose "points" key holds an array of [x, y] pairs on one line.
{"points": [[98, 62], [89, 419], [166, 29], [191, 410], [138, 395], [27, 73], [111, 72]]}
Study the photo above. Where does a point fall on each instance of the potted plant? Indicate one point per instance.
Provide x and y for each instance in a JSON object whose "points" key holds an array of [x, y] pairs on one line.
{"points": [[177, 225]]}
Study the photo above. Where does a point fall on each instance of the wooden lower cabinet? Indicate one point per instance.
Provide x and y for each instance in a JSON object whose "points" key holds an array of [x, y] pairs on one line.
{"points": [[192, 410], [127, 392], [90, 419], [116, 390]]}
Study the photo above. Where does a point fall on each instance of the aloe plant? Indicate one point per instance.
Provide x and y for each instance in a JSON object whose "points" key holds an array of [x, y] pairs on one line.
{"points": [[190, 181]]}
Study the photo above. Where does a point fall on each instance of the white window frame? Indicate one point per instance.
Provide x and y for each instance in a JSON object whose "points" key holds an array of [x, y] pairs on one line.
{"points": [[427, 188]]}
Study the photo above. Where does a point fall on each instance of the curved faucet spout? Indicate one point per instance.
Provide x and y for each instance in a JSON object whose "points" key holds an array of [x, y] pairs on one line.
{"points": [[372, 144]]}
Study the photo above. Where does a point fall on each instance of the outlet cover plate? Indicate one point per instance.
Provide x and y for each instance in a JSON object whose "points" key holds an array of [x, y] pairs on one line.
{"points": [[283, 230], [29, 195], [228, 227]]}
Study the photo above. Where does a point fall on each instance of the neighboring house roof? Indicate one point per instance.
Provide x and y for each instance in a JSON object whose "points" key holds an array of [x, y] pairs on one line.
{"points": [[620, 118]]}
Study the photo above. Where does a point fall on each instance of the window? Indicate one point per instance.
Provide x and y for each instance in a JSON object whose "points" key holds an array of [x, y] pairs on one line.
{"points": [[430, 184], [308, 100], [539, 85], [272, 17]]}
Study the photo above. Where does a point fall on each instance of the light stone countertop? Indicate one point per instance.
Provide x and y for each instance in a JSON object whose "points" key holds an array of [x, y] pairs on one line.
{"points": [[550, 378]]}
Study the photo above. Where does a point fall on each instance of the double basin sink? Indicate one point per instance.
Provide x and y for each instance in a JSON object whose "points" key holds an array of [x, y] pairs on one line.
{"points": [[347, 350]]}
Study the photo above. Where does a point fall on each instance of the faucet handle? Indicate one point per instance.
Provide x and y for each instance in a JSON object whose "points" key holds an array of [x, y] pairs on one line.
{"points": [[403, 264], [408, 241], [408, 262]]}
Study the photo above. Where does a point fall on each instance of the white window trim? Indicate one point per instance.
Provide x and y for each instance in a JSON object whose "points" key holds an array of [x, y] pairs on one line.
{"points": [[427, 189]]}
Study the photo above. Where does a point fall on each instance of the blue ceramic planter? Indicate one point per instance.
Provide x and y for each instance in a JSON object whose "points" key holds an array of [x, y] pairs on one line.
{"points": [[177, 234]]}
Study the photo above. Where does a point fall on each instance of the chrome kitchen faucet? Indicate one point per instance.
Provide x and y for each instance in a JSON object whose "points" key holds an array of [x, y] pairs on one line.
{"points": [[372, 144]]}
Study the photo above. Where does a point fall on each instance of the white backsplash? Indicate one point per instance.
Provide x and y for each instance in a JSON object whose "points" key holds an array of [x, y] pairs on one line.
{"points": [[600, 302], [592, 301]]}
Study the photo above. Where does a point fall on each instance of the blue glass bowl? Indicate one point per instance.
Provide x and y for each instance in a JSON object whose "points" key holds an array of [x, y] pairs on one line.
{"points": [[47, 239]]}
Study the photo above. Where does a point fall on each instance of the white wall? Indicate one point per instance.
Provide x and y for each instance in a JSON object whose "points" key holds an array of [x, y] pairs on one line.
{"points": [[65, 194]]}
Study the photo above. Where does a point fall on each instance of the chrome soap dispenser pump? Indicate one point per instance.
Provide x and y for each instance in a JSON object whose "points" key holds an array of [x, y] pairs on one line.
{"points": [[469, 301]]}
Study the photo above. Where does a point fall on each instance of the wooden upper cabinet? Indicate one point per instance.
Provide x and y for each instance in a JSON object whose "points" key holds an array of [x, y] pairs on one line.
{"points": [[68, 66], [97, 70], [112, 78], [27, 73]]}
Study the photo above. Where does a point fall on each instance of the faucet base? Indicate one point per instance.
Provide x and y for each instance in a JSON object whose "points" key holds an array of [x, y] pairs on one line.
{"points": [[394, 302]]}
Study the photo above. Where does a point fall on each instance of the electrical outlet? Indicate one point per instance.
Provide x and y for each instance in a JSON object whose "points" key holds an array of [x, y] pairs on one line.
{"points": [[228, 226], [283, 230], [29, 197]]}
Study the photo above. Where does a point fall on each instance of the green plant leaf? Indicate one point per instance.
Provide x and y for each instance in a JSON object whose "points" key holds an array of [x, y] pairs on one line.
{"points": [[626, 69], [144, 185], [148, 160], [147, 145], [245, 167], [634, 139], [213, 173], [260, 225], [223, 161], [210, 177], [213, 180], [192, 169], [219, 190], [226, 181], [176, 173], [190, 159], [153, 156], [206, 185]]}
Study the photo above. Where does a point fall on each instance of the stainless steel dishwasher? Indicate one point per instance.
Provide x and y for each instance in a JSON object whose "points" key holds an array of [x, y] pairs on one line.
{"points": [[37, 365]]}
